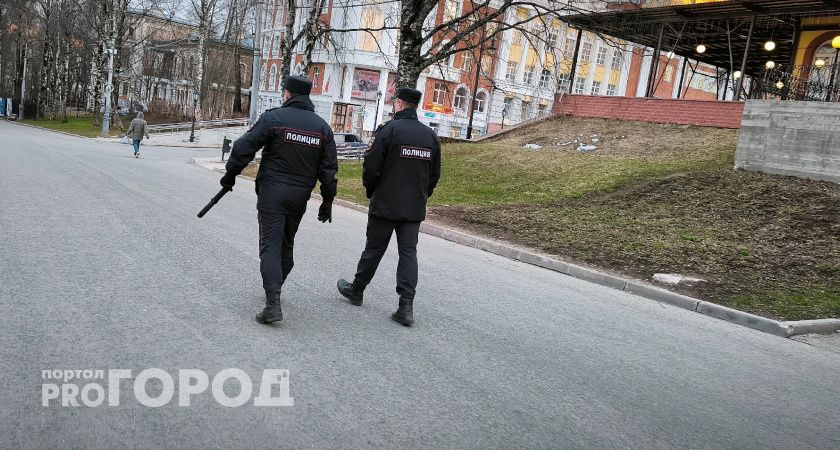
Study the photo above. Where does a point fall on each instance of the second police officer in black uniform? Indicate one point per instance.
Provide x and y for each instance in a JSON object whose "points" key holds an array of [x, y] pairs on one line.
{"points": [[400, 172], [298, 150]]}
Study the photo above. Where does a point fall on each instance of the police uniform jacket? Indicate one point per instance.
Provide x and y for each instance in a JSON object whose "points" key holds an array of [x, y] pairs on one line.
{"points": [[402, 168], [298, 151]]}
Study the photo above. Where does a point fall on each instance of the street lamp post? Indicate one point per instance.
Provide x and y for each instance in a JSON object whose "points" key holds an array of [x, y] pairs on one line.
{"points": [[109, 87], [836, 44], [376, 116], [475, 84], [195, 107]]}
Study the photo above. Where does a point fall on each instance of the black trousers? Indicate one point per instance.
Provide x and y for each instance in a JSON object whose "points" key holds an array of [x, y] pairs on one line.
{"points": [[378, 236], [277, 245]]}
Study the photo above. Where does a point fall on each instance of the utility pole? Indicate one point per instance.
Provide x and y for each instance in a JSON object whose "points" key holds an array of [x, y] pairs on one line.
{"points": [[23, 82], [106, 116], [255, 69]]}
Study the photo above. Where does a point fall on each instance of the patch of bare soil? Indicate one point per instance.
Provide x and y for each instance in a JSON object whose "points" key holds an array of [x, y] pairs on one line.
{"points": [[766, 244]]}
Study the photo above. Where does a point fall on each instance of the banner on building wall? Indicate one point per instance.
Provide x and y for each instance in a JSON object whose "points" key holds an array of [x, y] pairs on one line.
{"points": [[9, 108], [2, 107], [365, 84], [391, 88], [348, 119]]}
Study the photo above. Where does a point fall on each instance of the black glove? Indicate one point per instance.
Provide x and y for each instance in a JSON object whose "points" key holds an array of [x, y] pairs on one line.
{"points": [[228, 180], [325, 211]]}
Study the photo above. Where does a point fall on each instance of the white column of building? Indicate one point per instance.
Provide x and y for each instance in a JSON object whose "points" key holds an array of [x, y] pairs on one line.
{"points": [[644, 72], [624, 69]]}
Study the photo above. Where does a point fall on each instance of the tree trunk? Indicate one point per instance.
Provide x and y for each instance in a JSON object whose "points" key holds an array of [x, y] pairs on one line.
{"points": [[288, 42], [411, 63]]}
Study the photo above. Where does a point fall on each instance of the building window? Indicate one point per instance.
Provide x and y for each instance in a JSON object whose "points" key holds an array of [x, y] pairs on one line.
{"points": [[586, 52], [616, 60], [580, 85], [529, 74], [669, 73], [563, 82], [526, 110], [545, 78], [316, 73], [510, 71], [451, 10], [372, 20], [516, 38], [455, 132], [551, 39], [508, 102], [569, 47], [542, 109], [596, 88], [459, 102], [272, 77], [486, 65], [275, 49], [480, 101], [602, 57], [440, 93], [466, 62], [611, 89]]}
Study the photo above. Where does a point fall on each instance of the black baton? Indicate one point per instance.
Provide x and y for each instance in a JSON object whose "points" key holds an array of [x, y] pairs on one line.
{"points": [[213, 201]]}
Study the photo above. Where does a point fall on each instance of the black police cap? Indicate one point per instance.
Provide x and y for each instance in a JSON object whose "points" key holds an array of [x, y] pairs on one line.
{"points": [[408, 95], [298, 85]]}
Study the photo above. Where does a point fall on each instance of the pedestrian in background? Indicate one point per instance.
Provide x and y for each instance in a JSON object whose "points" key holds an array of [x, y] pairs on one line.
{"points": [[136, 131]]}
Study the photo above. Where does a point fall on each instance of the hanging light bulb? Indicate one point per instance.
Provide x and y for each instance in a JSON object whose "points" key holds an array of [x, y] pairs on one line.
{"points": [[769, 45], [701, 48], [670, 55], [770, 64], [737, 74], [835, 43], [780, 85], [820, 63]]}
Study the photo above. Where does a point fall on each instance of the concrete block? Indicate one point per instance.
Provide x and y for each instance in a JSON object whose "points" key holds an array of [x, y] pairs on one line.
{"points": [[596, 277], [742, 318], [662, 295], [820, 326]]}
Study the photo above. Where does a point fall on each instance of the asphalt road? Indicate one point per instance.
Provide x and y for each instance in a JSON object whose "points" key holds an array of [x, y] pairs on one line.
{"points": [[103, 265]]}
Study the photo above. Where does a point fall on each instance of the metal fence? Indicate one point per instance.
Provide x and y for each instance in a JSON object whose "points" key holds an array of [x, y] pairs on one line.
{"points": [[804, 83], [186, 126]]}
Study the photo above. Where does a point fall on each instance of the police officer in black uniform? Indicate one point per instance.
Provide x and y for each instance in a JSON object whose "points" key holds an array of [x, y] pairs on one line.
{"points": [[298, 150], [400, 172]]}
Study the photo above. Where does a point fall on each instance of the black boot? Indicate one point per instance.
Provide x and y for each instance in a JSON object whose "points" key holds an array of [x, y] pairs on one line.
{"points": [[348, 291], [405, 313], [272, 311]]}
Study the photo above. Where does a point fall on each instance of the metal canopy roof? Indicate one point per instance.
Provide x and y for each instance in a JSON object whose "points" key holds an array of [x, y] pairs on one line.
{"points": [[721, 26]]}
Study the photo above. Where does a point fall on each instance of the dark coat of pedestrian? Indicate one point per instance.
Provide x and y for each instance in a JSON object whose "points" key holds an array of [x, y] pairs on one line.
{"points": [[400, 173], [298, 150]]}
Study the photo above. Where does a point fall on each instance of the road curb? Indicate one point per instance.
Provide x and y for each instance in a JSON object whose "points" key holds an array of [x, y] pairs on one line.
{"points": [[637, 287]]}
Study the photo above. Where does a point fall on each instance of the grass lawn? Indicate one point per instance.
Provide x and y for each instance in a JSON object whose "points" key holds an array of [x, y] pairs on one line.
{"points": [[651, 199], [82, 126]]}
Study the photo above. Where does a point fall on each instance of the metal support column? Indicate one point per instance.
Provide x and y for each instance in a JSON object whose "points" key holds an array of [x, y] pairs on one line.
{"points": [[744, 61], [654, 63]]}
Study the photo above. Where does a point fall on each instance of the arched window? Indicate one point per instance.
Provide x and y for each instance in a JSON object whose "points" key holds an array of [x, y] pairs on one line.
{"points": [[272, 78], [481, 101], [460, 100]]}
